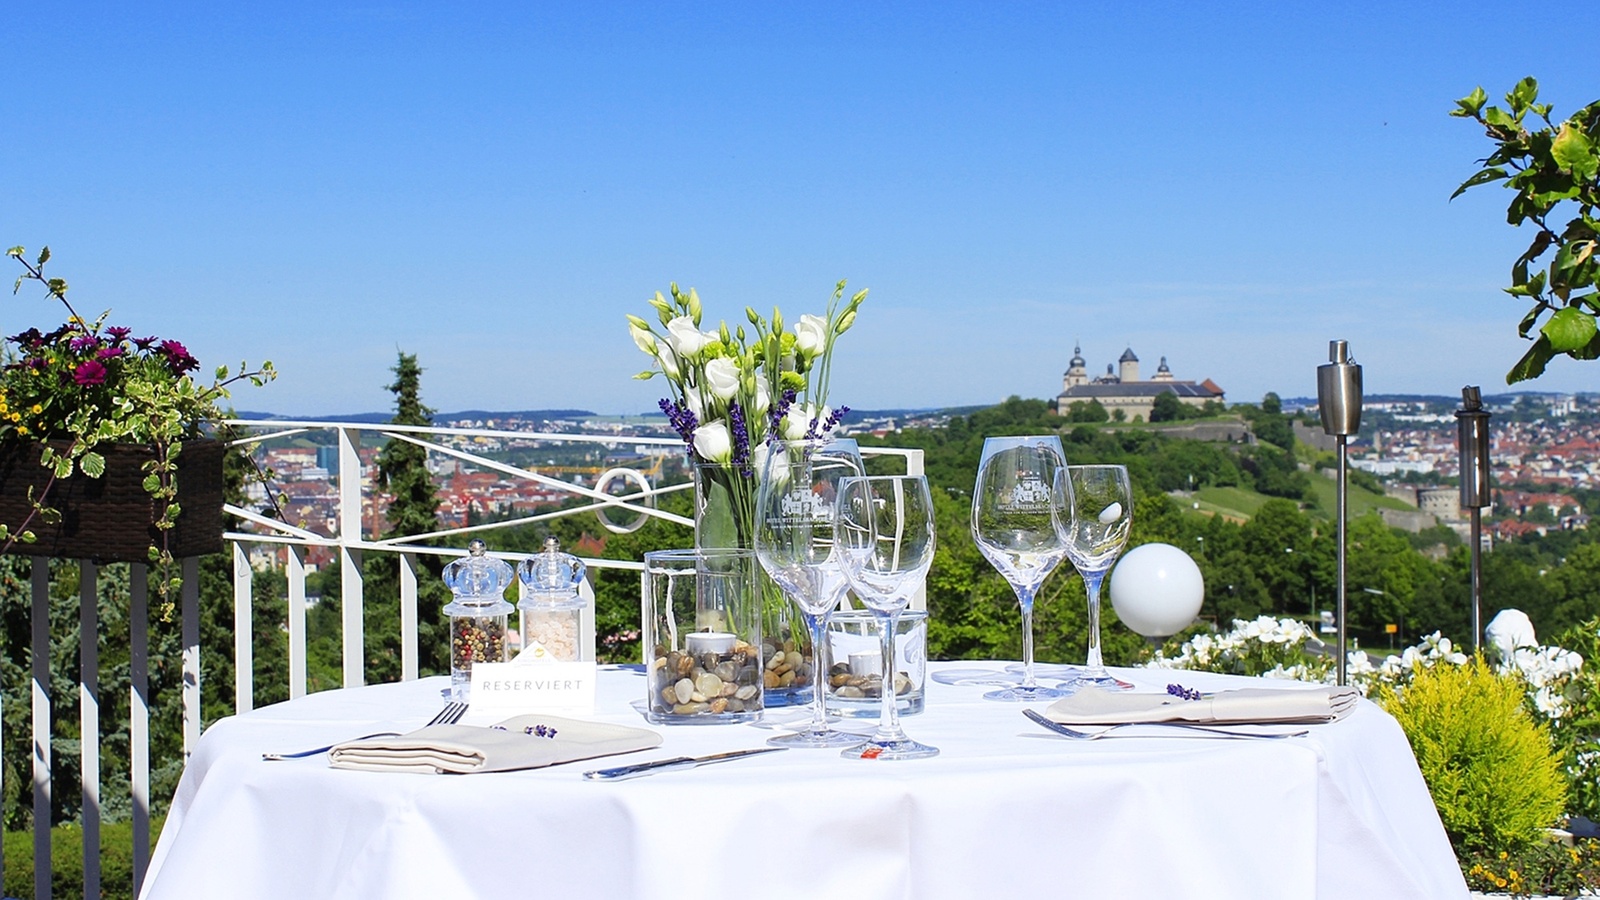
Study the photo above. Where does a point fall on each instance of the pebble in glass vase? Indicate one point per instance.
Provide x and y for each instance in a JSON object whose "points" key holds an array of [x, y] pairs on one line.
{"points": [[551, 607], [479, 614]]}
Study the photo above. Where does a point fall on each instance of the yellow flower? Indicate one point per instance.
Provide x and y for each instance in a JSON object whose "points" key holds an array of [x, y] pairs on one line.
{"points": [[37, 408], [22, 430]]}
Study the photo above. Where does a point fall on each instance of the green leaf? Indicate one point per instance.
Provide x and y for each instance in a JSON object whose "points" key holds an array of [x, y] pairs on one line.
{"points": [[63, 466], [44, 256], [1523, 95], [1471, 103], [1532, 363], [1569, 329], [92, 464], [1484, 177], [1494, 115], [152, 483], [1574, 152], [16, 251]]}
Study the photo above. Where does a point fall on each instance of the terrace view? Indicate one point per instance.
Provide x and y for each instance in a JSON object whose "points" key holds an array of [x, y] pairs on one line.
{"points": [[661, 561]]}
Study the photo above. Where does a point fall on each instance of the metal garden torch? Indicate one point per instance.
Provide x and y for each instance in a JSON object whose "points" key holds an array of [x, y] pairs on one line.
{"points": [[1339, 401], [1472, 431]]}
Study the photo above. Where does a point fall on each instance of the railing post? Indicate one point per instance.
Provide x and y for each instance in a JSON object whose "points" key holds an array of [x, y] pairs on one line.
{"points": [[139, 717], [89, 722], [350, 558], [243, 628], [190, 599], [41, 728], [408, 617], [296, 557]]}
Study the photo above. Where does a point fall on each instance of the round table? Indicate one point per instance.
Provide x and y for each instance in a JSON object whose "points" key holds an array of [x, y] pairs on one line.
{"points": [[1006, 810]]}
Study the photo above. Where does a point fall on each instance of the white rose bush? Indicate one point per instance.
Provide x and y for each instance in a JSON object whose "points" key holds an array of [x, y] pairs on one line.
{"points": [[732, 391]]}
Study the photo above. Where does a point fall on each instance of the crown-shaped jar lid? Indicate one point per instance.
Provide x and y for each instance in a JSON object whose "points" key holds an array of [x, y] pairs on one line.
{"points": [[479, 582], [551, 578]]}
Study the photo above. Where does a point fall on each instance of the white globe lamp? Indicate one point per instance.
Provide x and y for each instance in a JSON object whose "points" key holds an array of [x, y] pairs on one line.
{"points": [[1156, 590]]}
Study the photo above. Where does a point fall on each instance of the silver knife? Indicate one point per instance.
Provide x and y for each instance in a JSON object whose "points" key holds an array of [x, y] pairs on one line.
{"points": [[666, 765]]}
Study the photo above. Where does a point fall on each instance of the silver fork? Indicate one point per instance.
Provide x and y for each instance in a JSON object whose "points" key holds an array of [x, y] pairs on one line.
{"points": [[1063, 730], [450, 715]]}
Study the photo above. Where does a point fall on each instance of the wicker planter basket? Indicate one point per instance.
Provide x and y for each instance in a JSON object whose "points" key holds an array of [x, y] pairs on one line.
{"points": [[109, 519]]}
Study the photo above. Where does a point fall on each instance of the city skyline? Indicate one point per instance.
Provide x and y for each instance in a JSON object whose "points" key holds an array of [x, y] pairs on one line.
{"points": [[492, 189]]}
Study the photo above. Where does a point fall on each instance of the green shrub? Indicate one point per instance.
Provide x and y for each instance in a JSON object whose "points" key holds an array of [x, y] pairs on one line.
{"points": [[66, 857], [1493, 774]]}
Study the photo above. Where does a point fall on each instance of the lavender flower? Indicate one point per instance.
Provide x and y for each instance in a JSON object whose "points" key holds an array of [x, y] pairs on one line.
{"points": [[681, 419], [776, 414], [741, 439], [1183, 693]]}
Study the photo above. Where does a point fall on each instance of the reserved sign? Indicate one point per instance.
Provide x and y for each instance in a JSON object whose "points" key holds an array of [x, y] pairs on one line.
{"points": [[533, 687]]}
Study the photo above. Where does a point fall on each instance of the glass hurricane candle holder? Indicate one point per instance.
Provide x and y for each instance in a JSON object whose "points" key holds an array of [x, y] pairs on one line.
{"points": [[702, 637], [855, 671]]}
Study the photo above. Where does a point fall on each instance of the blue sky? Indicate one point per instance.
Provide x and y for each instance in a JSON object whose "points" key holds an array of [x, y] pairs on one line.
{"points": [[493, 186]]}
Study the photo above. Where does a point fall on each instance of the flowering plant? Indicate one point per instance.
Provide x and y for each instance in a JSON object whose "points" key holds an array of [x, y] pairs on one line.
{"points": [[732, 392], [85, 384]]}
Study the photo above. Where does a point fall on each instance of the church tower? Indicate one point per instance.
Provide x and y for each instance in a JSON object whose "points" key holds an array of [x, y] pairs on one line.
{"points": [[1162, 372], [1128, 367], [1076, 373]]}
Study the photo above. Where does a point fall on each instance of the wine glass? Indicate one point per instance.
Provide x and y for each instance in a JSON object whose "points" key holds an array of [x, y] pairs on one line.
{"points": [[1096, 532], [884, 528], [795, 544], [1021, 491]]}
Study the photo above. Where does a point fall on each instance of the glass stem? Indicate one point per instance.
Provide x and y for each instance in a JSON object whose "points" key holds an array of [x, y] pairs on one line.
{"points": [[1026, 599], [1091, 583], [889, 717], [819, 671]]}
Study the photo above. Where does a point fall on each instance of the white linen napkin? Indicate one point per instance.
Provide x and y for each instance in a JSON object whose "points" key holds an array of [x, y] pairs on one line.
{"points": [[520, 742], [1297, 706]]}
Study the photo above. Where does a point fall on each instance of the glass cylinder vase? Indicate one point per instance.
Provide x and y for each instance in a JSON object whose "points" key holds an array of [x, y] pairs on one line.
{"points": [[724, 518]]}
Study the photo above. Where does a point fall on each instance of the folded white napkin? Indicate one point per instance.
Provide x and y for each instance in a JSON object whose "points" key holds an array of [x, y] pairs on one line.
{"points": [[1091, 706], [521, 742]]}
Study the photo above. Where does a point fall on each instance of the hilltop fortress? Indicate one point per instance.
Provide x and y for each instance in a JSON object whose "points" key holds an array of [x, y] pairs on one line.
{"points": [[1120, 388]]}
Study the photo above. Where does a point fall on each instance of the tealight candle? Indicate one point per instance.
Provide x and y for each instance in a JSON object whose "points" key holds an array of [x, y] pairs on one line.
{"points": [[700, 642], [866, 663]]}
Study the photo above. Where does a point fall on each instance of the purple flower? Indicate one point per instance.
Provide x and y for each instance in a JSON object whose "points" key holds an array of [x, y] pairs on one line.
{"points": [[145, 342], [776, 414], [118, 334], [1183, 693], [681, 419], [741, 439], [107, 353], [30, 338], [178, 357], [89, 373], [83, 342]]}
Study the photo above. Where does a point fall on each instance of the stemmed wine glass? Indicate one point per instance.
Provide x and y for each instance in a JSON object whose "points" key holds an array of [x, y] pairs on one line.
{"points": [[1021, 492], [795, 544], [884, 527], [1096, 532]]}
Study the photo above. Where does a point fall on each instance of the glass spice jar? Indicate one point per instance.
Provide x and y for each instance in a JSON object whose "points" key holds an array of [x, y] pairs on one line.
{"points": [[551, 607], [479, 614]]}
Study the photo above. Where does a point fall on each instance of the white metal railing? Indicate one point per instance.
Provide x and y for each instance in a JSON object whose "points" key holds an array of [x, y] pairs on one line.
{"points": [[349, 543]]}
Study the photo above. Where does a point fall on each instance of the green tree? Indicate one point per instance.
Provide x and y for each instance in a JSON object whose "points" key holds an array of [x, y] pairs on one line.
{"points": [[1166, 408], [1547, 167]]}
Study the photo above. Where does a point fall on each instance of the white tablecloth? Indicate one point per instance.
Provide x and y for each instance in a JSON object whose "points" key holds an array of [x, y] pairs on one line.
{"points": [[1006, 810]]}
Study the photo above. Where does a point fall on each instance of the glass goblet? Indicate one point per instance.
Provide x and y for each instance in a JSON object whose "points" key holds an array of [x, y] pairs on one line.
{"points": [[1096, 533], [1021, 492], [884, 527], [795, 544]]}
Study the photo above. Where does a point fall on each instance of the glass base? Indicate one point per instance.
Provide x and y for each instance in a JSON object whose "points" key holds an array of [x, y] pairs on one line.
{"points": [[975, 676], [1021, 694], [902, 748], [821, 739], [1099, 680]]}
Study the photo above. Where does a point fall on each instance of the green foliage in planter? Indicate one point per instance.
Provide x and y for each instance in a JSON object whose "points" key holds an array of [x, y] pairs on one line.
{"points": [[1493, 774], [1577, 733], [1541, 868]]}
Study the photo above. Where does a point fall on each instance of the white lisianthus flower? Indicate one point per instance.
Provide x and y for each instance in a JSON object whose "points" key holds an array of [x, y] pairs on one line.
{"points": [[713, 443], [691, 399], [686, 340], [810, 335], [643, 338], [668, 360], [797, 421], [722, 378], [763, 399], [758, 462]]}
